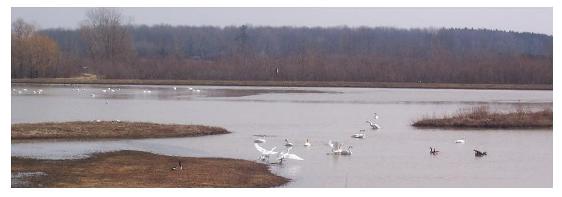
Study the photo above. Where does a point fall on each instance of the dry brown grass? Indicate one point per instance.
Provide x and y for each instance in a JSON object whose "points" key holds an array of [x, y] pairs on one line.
{"points": [[142, 169], [108, 129], [482, 117], [286, 83]]}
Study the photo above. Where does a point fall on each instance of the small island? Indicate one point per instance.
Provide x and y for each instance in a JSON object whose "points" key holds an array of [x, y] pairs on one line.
{"points": [[137, 169], [482, 118], [108, 130]]}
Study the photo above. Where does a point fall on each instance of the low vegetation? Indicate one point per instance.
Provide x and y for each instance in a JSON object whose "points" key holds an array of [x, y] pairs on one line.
{"points": [[108, 129], [482, 117], [141, 169], [83, 80]]}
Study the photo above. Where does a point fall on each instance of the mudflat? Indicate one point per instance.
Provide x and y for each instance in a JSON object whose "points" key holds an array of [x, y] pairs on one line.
{"points": [[137, 169]]}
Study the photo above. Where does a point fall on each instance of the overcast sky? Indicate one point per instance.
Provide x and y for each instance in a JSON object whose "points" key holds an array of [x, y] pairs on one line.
{"points": [[538, 20]]}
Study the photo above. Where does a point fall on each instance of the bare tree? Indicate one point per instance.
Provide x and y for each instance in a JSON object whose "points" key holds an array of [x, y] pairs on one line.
{"points": [[33, 55], [108, 40]]}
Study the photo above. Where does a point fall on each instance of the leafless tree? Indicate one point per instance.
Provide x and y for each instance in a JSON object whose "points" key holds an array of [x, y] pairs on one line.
{"points": [[108, 40]]}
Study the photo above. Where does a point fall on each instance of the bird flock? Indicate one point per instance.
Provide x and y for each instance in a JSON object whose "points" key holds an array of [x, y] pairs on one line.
{"points": [[336, 148], [95, 92], [25, 91]]}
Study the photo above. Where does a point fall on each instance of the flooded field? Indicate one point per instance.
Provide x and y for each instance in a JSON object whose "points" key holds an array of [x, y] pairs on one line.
{"points": [[397, 155]]}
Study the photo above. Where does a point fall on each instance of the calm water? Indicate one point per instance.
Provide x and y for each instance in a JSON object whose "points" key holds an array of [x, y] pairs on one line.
{"points": [[394, 156]]}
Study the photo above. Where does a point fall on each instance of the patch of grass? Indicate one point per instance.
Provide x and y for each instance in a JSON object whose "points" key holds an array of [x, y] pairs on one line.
{"points": [[482, 117], [141, 169], [108, 129]]}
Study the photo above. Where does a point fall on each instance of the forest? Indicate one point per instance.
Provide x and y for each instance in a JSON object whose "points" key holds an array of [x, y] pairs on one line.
{"points": [[110, 48]]}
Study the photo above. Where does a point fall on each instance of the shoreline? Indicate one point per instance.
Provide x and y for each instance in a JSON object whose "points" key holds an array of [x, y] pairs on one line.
{"points": [[138, 169], [93, 130], [482, 118], [285, 83]]}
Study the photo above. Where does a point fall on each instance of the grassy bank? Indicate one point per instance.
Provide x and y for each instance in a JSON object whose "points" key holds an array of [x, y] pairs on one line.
{"points": [[482, 117], [141, 169], [108, 129], [285, 83]]}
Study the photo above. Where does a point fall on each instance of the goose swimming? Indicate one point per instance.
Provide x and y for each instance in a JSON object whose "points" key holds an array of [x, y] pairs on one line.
{"points": [[433, 151], [478, 153]]}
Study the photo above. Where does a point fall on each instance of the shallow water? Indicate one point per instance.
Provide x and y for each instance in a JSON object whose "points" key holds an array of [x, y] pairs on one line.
{"points": [[395, 156]]}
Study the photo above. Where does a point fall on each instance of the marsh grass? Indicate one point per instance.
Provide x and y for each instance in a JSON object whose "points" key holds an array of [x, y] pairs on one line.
{"points": [[483, 117], [108, 129]]}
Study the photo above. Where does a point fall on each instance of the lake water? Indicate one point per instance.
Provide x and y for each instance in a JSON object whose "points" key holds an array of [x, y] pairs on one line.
{"points": [[395, 156]]}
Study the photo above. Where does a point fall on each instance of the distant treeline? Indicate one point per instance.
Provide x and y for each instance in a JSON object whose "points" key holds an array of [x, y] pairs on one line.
{"points": [[378, 54]]}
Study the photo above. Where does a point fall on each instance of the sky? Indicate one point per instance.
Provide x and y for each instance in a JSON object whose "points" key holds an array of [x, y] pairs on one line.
{"points": [[537, 20]]}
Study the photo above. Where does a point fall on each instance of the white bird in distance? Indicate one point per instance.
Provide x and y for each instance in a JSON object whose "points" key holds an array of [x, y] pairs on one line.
{"points": [[264, 153], [337, 148], [373, 125], [286, 155]]}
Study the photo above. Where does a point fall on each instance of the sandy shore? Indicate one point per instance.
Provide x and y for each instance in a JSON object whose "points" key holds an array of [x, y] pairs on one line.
{"points": [[108, 129], [285, 83], [141, 169]]}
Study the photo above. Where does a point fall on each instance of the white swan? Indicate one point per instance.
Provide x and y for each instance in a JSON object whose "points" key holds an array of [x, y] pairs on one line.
{"points": [[288, 144], [175, 88], [334, 145], [264, 153], [307, 143], [460, 141], [286, 155], [373, 125], [360, 135], [337, 148], [376, 116]]}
